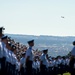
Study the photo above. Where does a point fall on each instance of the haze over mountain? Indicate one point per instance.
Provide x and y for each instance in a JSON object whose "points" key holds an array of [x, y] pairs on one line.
{"points": [[57, 45]]}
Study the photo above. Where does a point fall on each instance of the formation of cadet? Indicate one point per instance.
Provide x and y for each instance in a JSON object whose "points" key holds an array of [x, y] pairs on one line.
{"points": [[28, 64]]}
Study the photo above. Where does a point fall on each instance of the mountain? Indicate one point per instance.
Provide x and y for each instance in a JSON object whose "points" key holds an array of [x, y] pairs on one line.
{"points": [[57, 45]]}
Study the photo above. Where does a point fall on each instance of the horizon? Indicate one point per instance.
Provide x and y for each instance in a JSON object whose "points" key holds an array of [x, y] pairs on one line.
{"points": [[37, 35]]}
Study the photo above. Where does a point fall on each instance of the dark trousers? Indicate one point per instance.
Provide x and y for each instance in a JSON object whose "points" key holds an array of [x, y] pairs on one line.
{"points": [[34, 72], [7, 68], [50, 71], [29, 68], [22, 71], [3, 65], [72, 70], [43, 70], [0, 66], [13, 69]]}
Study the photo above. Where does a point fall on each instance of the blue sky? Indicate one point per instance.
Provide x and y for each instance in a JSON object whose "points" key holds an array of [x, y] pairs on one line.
{"points": [[38, 17]]}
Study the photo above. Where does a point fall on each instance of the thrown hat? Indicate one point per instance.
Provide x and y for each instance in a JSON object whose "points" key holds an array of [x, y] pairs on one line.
{"points": [[31, 41], [4, 37]]}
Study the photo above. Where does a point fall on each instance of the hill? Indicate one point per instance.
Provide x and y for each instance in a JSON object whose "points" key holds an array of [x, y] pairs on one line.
{"points": [[57, 45]]}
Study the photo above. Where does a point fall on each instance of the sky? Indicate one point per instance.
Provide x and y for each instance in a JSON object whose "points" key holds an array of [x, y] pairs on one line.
{"points": [[38, 17]]}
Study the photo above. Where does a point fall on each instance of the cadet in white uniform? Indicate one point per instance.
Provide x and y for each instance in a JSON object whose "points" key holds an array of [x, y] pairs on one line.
{"points": [[18, 67], [72, 60], [35, 66], [8, 59], [1, 32], [22, 64], [67, 63], [73, 50], [1, 50], [14, 60], [44, 63], [4, 43], [51, 66], [29, 57]]}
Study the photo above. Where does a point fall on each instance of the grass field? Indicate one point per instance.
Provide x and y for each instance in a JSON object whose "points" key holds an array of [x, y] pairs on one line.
{"points": [[66, 74]]}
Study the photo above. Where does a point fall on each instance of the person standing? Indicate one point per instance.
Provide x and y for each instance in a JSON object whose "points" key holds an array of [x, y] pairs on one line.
{"points": [[72, 60], [43, 64], [14, 60], [29, 58], [1, 49], [4, 43], [1, 32], [22, 64]]}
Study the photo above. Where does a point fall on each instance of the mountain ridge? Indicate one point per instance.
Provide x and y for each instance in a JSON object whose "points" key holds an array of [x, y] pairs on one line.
{"points": [[56, 45]]}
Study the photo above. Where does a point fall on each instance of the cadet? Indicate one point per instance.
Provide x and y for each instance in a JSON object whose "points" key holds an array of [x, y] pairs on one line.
{"points": [[72, 60], [1, 50], [18, 66], [14, 60], [8, 58], [44, 63], [35, 66], [4, 42], [29, 58], [22, 64], [1, 32]]}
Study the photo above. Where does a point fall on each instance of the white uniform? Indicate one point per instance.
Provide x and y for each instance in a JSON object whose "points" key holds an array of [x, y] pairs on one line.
{"points": [[44, 60], [10, 56], [7, 55], [51, 64], [35, 65], [18, 66], [1, 50], [4, 49], [63, 61], [67, 61], [23, 61], [60, 61], [38, 62], [29, 53], [56, 63], [14, 59]]}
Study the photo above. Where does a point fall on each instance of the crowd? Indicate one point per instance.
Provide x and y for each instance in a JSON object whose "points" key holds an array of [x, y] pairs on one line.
{"points": [[17, 59]]}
